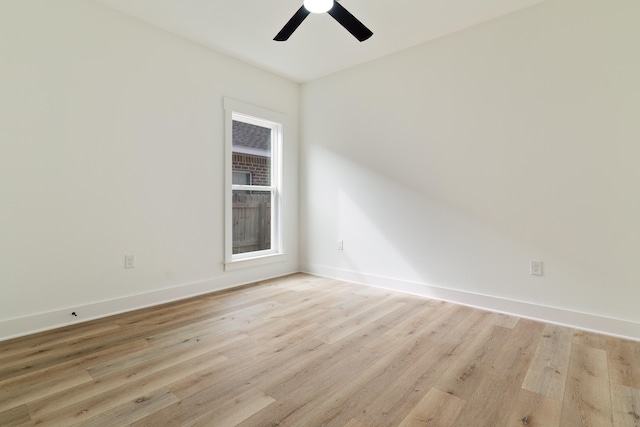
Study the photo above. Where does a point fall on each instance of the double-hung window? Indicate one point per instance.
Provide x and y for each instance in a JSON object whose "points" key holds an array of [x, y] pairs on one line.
{"points": [[253, 138]]}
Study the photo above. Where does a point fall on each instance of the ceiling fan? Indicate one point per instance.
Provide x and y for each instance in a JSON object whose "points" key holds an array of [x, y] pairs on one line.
{"points": [[333, 8]]}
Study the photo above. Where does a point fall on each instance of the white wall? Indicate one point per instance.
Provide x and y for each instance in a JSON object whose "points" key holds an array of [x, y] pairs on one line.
{"points": [[447, 167], [112, 143]]}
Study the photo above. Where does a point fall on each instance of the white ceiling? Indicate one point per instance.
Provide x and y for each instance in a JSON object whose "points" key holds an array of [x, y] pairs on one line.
{"points": [[320, 46]]}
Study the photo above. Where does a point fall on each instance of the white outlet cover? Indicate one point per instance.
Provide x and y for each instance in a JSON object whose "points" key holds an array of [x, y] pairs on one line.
{"points": [[536, 268], [129, 261]]}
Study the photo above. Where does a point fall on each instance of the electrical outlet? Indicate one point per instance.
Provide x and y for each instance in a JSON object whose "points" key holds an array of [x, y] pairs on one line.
{"points": [[536, 268], [340, 245], [129, 261]]}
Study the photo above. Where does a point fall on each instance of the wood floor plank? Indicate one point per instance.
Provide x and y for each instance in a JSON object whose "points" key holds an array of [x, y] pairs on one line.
{"points": [[296, 280], [407, 329], [320, 368], [55, 377], [168, 312], [464, 376], [155, 360], [534, 410], [175, 353], [269, 344], [590, 339], [401, 394], [502, 377], [344, 329], [325, 409], [623, 357], [370, 305], [134, 410], [299, 303], [235, 410], [107, 396], [77, 359], [201, 393], [587, 397], [212, 387], [230, 316], [207, 327], [277, 326], [626, 406], [217, 386], [45, 340], [505, 320], [39, 385], [15, 416], [411, 308], [547, 374], [122, 386], [302, 350], [391, 387], [436, 409], [295, 400]]}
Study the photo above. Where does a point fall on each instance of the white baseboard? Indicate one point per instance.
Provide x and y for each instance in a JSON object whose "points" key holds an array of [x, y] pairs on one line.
{"points": [[40, 322], [58, 318], [583, 321]]}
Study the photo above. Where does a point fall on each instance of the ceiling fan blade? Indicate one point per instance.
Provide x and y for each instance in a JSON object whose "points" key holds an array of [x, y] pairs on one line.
{"points": [[350, 22], [293, 23]]}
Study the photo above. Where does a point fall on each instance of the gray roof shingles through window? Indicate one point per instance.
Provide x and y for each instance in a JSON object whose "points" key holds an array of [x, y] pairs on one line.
{"points": [[251, 136]]}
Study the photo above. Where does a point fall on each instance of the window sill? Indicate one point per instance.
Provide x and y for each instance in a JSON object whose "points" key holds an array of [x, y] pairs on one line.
{"points": [[254, 262]]}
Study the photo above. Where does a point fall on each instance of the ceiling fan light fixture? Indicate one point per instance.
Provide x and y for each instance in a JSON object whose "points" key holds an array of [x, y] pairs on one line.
{"points": [[333, 8], [318, 6]]}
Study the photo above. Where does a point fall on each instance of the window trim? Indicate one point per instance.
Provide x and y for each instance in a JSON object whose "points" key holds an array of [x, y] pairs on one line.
{"points": [[275, 121]]}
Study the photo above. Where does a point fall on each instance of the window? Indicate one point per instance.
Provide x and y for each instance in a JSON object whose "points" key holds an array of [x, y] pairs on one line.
{"points": [[253, 139]]}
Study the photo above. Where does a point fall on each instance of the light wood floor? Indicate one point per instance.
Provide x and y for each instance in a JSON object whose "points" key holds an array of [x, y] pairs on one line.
{"points": [[309, 351]]}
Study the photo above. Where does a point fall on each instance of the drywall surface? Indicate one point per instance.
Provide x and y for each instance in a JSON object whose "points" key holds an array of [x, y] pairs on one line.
{"points": [[112, 135], [455, 163]]}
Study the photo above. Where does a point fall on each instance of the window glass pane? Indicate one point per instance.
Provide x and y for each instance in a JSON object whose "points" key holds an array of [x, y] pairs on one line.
{"points": [[252, 152], [251, 215], [241, 178]]}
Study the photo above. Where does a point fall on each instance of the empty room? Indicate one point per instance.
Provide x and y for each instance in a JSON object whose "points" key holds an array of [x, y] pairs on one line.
{"points": [[354, 213]]}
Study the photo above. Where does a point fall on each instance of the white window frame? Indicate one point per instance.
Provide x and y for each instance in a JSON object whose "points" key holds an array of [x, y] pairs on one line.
{"points": [[237, 110]]}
